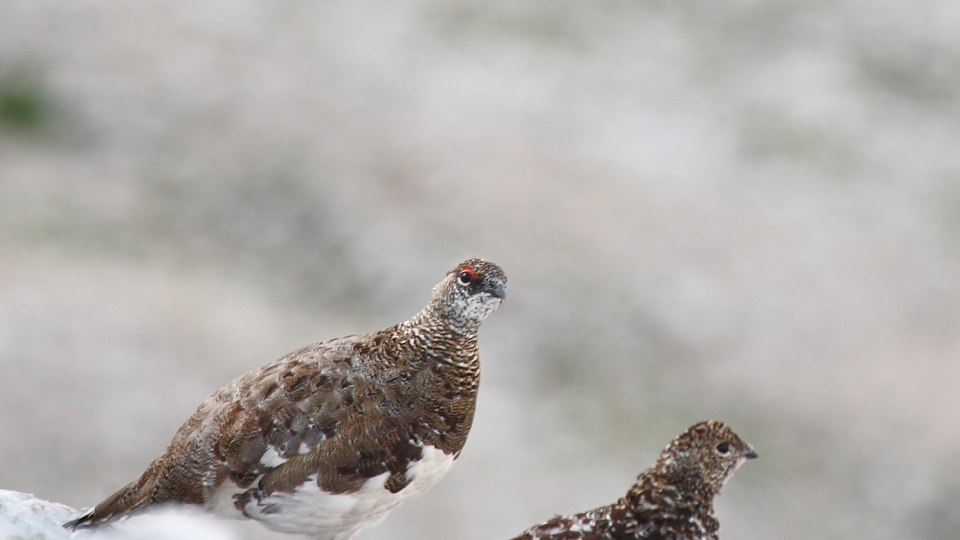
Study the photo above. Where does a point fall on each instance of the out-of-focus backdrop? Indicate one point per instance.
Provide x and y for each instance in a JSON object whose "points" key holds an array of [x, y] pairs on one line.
{"points": [[729, 209]]}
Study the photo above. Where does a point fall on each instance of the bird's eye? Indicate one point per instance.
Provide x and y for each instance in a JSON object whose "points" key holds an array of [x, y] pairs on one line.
{"points": [[467, 275], [723, 449]]}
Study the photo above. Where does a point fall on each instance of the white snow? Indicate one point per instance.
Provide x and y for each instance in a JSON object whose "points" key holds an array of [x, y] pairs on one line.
{"points": [[25, 517]]}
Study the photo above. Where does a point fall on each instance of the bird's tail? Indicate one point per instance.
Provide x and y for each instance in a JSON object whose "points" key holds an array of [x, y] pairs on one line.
{"points": [[131, 498]]}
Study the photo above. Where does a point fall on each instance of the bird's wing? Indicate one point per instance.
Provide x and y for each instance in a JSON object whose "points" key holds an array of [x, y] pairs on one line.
{"points": [[246, 430], [318, 411], [592, 525]]}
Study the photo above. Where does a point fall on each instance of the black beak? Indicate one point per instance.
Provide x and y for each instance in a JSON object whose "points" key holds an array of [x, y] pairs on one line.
{"points": [[752, 454], [499, 291]]}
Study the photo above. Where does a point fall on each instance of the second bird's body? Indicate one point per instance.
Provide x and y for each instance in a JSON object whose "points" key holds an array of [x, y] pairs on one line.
{"points": [[673, 500]]}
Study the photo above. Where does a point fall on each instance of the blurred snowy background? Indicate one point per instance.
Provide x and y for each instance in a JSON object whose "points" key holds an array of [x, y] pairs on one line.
{"points": [[729, 209]]}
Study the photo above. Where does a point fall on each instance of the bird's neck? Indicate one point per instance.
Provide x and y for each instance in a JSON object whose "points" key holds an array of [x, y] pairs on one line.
{"points": [[453, 359], [670, 495], [449, 343], [688, 479]]}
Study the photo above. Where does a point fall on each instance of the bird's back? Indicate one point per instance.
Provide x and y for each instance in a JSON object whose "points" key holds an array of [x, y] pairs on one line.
{"points": [[625, 520], [598, 524]]}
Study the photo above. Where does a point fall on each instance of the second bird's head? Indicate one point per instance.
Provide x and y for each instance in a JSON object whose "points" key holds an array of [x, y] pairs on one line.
{"points": [[471, 290], [704, 457]]}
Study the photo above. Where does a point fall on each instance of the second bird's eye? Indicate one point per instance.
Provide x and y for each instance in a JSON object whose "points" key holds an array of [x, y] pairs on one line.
{"points": [[723, 448], [466, 276]]}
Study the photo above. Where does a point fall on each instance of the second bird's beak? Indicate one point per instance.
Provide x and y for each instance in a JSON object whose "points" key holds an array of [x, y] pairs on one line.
{"points": [[752, 454]]}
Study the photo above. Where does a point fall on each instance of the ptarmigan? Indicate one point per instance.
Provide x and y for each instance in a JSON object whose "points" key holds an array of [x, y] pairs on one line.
{"points": [[673, 500], [328, 439]]}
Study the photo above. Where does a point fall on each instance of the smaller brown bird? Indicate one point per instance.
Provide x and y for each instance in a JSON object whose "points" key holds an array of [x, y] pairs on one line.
{"points": [[673, 500]]}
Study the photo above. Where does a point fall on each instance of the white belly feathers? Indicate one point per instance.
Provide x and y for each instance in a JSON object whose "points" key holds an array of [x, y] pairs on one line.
{"points": [[326, 516]]}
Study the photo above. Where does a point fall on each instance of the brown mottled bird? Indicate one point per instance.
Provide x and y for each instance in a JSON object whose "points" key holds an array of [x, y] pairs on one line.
{"points": [[328, 439], [673, 500]]}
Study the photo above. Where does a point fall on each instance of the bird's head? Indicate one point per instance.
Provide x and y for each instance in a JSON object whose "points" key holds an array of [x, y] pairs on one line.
{"points": [[471, 290], [704, 457]]}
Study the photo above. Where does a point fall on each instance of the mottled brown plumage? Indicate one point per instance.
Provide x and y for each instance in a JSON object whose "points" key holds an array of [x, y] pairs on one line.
{"points": [[327, 439], [673, 500]]}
